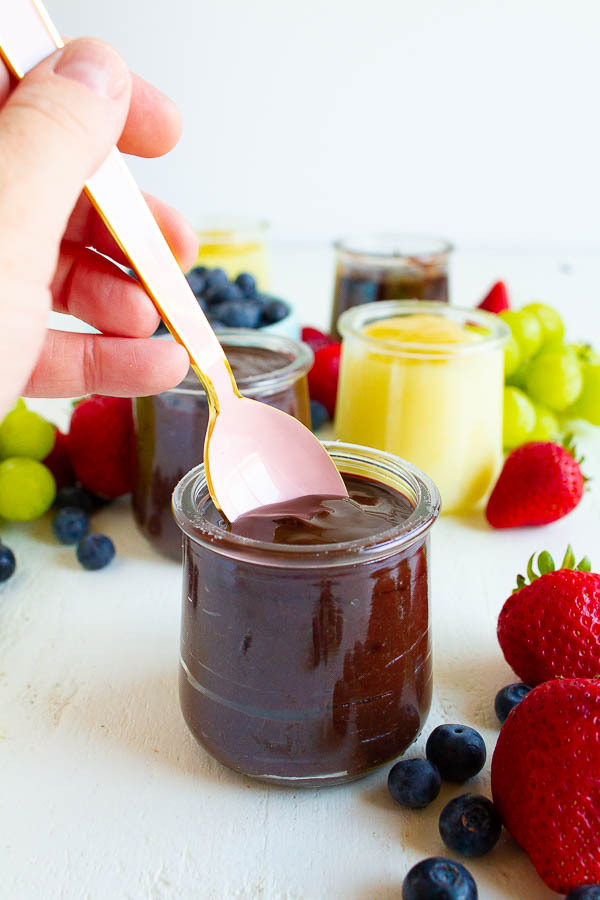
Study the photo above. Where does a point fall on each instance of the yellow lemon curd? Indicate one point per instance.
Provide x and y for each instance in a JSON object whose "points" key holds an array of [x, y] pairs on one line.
{"points": [[222, 249], [428, 389]]}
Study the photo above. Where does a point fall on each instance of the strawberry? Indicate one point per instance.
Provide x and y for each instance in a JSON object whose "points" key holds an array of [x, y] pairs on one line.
{"points": [[59, 461], [545, 780], [315, 338], [540, 483], [550, 628], [323, 377], [496, 300], [101, 445]]}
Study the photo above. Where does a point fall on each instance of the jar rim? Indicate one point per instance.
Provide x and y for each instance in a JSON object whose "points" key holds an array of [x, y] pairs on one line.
{"points": [[223, 229], [301, 360], [351, 324], [419, 489], [394, 246]]}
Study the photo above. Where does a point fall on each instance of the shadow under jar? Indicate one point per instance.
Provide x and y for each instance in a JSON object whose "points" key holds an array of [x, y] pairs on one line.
{"points": [[170, 427], [373, 267], [309, 663]]}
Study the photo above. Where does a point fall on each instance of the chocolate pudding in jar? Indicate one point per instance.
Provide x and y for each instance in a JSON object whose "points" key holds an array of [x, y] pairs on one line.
{"points": [[170, 427], [305, 644], [388, 267]]}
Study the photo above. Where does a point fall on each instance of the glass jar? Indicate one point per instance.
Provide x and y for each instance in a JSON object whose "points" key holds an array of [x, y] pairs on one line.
{"points": [[235, 244], [438, 405], [388, 267], [307, 665], [170, 427]]}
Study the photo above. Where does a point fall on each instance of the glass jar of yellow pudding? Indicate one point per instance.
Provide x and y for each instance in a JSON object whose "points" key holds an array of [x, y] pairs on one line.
{"points": [[424, 381], [236, 245]]}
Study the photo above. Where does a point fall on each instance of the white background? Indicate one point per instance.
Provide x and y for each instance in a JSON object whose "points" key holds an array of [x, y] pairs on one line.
{"points": [[474, 119]]}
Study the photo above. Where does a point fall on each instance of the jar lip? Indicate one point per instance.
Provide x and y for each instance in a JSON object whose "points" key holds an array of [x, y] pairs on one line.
{"points": [[223, 229], [301, 360], [351, 324], [394, 246], [187, 514]]}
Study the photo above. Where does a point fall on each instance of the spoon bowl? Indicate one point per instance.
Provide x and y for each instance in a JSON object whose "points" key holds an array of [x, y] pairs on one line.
{"points": [[258, 455]]}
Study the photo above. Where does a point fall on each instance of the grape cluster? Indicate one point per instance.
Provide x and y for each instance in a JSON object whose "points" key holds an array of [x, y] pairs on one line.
{"points": [[549, 382], [28, 488]]}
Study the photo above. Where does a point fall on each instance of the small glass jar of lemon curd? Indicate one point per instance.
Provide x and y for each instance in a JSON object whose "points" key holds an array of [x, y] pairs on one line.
{"points": [[424, 381]]}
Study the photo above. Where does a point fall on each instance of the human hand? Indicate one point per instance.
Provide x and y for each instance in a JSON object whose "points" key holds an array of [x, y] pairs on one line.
{"points": [[56, 128]]}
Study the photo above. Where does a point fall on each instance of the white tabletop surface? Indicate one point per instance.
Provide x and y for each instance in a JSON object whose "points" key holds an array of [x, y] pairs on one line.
{"points": [[105, 795]]}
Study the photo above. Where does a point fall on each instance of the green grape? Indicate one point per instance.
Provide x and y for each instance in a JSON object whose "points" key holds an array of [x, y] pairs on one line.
{"points": [[512, 356], [24, 433], [519, 377], [526, 331], [519, 418], [555, 378], [27, 489], [547, 427], [585, 353], [553, 327], [587, 405]]}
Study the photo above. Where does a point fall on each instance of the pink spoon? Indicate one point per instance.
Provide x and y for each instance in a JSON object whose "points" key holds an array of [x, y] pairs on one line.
{"points": [[254, 455]]}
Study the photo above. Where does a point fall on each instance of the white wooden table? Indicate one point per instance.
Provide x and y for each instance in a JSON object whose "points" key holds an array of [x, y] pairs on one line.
{"points": [[105, 795]]}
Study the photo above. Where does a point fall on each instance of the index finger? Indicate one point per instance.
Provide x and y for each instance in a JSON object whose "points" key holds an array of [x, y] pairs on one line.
{"points": [[153, 124]]}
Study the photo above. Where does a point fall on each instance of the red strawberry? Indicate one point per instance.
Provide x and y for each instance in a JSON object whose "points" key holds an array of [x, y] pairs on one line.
{"points": [[315, 338], [101, 445], [550, 628], [545, 780], [323, 377], [540, 483], [496, 300], [59, 461]]}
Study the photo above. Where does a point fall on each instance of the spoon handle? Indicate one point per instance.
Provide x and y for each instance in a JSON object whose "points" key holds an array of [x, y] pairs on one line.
{"points": [[27, 36]]}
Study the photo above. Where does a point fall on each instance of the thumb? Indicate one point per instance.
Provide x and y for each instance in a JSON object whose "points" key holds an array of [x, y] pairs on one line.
{"points": [[56, 129]]}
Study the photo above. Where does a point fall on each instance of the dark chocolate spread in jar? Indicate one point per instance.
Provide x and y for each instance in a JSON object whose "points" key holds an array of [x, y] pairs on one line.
{"points": [[388, 267], [305, 648], [170, 427]]}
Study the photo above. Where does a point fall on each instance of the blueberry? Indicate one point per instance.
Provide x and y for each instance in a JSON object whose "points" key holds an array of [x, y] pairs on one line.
{"points": [[457, 750], [509, 697], [222, 293], [247, 284], [230, 292], [470, 825], [95, 551], [437, 878], [8, 563], [236, 314], [585, 892], [70, 525], [318, 415], [215, 277], [75, 495], [414, 783], [274, 311], [196, 278]]}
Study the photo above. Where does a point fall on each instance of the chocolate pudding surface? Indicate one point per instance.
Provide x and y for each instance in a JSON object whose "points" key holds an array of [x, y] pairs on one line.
{"points": [[308, 673]]}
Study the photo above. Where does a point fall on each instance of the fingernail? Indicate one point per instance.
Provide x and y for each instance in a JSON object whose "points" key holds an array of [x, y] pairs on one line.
{"points": [[96, 65]]}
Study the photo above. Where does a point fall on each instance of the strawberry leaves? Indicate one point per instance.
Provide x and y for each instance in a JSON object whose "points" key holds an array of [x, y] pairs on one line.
{"points": [[545, 564]]}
